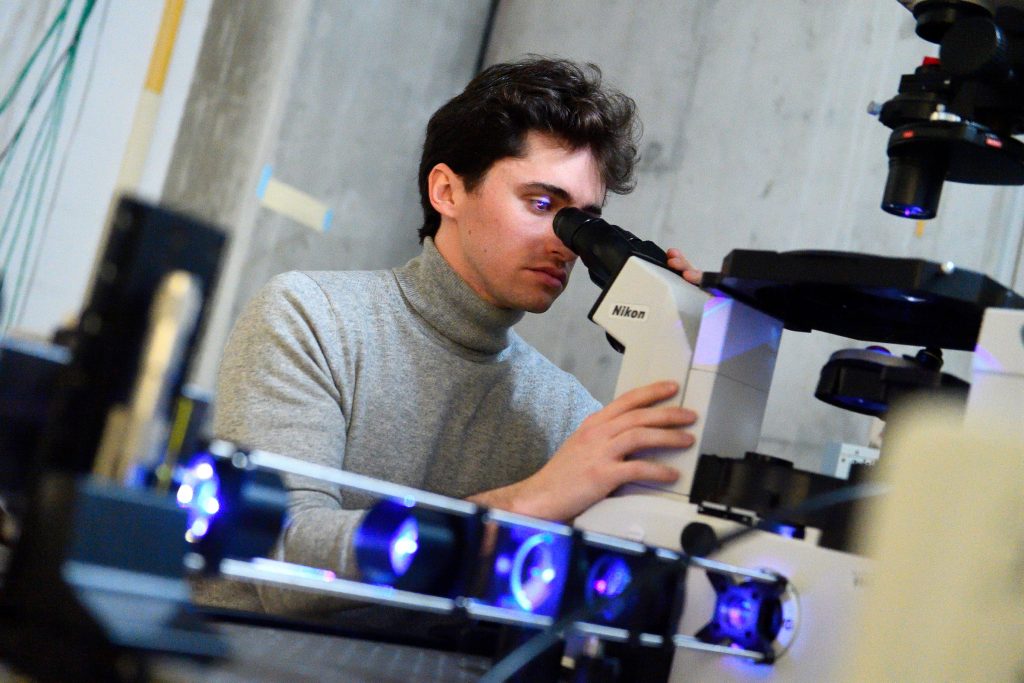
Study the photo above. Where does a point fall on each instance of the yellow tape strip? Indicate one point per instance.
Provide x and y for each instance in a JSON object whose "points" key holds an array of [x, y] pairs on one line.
{"points": [[293, 203], [164, 46]]}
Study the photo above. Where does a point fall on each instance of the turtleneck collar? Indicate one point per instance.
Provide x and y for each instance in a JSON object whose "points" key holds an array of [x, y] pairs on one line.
{"points": [[451, 307]]}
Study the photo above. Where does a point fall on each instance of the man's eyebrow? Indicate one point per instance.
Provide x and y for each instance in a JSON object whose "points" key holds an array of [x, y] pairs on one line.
{"points": [[561, 194]]}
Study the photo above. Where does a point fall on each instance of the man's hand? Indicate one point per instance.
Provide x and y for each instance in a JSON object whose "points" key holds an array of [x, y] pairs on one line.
{"points": [[680, 264], [594, 461]]}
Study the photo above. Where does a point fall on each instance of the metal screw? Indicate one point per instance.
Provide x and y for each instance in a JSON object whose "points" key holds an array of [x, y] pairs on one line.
{"points": [[240, 460]]}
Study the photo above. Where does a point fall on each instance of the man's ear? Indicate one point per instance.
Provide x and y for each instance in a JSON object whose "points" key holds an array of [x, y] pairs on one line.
{"points": [[444, 187]]}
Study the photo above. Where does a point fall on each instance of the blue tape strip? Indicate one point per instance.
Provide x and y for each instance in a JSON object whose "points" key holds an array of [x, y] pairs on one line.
{"points": [[328, 218], [261, 189]]}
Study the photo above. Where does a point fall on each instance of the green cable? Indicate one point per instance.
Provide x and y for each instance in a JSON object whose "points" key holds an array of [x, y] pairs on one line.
{"points": [[48, 133], [37, 247], [50, 147], [57, 22], [60, 98], [6, 157]]}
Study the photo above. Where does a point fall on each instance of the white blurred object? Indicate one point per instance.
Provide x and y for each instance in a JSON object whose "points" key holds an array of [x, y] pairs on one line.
{"points": [[944, 602]]}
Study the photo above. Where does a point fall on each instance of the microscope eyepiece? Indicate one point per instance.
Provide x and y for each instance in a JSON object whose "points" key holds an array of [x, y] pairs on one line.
{"points": [[601, 246]]}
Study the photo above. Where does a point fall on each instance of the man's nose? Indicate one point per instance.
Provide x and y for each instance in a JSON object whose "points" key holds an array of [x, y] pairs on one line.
{"points": [[559, 247]]}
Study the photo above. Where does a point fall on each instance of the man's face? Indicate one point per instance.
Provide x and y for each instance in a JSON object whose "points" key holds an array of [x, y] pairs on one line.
{"points": [[499, 237]]}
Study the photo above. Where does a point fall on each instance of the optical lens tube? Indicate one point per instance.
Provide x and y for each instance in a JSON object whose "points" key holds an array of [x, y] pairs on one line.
{"points": [[914, 185], [601, 246]]}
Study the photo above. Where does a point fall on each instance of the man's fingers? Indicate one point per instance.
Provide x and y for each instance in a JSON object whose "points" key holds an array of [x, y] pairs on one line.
{"points": [[640, 397], [679, 263], [646, 438], [645, 470], [662, 416]]}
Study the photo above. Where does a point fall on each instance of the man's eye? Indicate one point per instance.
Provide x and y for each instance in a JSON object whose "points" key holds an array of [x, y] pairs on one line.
{"points": [[541, 203]]}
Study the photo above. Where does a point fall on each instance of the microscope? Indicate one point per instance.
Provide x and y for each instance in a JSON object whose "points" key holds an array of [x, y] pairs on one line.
{"points": [[745, 568], [953, 119]]}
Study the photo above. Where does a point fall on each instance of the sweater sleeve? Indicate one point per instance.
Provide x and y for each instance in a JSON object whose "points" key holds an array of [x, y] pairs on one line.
{"points": [[277, 391]]}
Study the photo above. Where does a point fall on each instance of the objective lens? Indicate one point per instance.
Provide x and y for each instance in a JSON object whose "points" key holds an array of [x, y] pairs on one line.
{"points": [[914, 186]]}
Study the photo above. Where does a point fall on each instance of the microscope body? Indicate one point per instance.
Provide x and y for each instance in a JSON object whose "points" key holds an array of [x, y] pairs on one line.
{"points": [[722, 353]]}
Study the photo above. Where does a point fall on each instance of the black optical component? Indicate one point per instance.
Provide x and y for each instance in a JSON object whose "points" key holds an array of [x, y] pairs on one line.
{"points": [[415, 548], [914, 185], [625, 585], [234, 511], [601, 246], [869, 381], [954, 118], [924, 155]]}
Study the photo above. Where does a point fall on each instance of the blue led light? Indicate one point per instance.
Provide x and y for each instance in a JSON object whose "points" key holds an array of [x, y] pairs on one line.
{"points": [[912, 211], [533, 571], [859, 403], [403, 546], [199, 492]]}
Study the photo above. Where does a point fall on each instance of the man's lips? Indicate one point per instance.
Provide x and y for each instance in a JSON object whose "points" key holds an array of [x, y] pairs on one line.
{"points": [[558, 275]]}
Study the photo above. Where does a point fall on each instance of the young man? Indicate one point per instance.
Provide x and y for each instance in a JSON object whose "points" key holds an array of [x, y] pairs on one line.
{"points": [[414, 375]]}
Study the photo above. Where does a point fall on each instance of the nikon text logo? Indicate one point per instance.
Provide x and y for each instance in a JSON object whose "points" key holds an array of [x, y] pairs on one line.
{"points": [[631, 312]]}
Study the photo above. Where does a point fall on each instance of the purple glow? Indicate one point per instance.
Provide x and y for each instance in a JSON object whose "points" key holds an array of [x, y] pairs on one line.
{"points": [[503, 564], [912, 211], [609, 577], [787, 531], [984, 361], [404, 546]]}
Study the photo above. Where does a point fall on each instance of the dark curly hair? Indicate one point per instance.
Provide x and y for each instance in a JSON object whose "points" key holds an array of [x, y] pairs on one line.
{"points": [[489, 121]]}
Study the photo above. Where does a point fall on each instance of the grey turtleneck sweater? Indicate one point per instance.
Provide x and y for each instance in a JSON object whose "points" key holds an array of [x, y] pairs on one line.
{"points": [[404, 375]]}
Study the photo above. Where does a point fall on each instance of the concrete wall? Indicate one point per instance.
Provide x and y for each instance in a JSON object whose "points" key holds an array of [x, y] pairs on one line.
{"points": [[334, 97]]}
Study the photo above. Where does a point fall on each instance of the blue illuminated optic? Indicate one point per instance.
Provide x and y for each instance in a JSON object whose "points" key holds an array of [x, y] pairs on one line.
{"points": [[608, 578], [403, 546], [198, 493], [503, 565], [533, 571], [911, 211], [747, 615], [786, 530]]}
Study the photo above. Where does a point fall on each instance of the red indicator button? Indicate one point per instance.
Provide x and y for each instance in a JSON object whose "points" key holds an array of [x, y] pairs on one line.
{"points": [[993, 141], [907, 134], [931, 61]]}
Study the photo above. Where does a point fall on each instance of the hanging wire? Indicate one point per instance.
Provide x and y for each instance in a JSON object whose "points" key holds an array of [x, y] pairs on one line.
{"points": [[18, 230], [19, 313]]}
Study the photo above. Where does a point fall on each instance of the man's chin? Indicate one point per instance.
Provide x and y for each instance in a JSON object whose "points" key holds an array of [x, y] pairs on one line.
{"points": [[539, 306]]}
